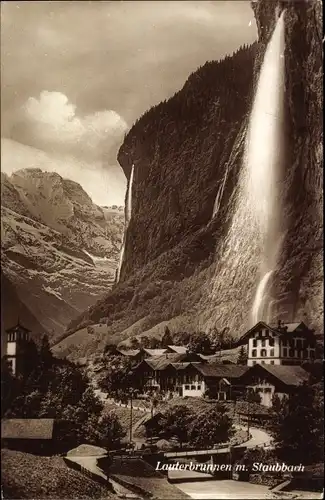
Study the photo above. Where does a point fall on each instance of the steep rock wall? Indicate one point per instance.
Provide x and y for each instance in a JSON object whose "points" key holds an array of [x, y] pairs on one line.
{"points": [[179, 265]]}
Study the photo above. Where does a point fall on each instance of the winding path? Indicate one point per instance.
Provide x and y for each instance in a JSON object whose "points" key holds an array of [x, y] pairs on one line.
{"points": [[258, 437]]}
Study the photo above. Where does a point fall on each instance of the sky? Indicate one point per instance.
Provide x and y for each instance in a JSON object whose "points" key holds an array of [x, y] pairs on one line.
{"points": [[75, 75]]}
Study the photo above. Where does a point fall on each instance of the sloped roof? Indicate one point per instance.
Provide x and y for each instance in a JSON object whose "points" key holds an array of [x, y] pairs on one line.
{"points": [[291, 327], [181, 366], [275, 328], [155, 352], [130, 352], [161, 362], [34, 428], [179, 349], [221, 371], [293, 375], [17, 327]]}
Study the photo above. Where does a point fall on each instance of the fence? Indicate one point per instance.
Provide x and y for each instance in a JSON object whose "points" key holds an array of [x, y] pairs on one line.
{"points": [[95, 477]]}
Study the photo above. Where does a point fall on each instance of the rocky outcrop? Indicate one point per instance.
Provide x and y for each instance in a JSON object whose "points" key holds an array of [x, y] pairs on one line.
{"points": [[59, 251], [180, 265]]}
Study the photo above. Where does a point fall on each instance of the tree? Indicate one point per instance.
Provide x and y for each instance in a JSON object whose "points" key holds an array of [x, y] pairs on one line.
{"points": [[200, 343], [242, 356], [213, 426], [109, 431], [45, 355], [221, 339], [9, 386], [299, 433], [31, 360], [176, 421], [110, 349], [167, 338], [134, 343], [116, 380], [61, 391], [144, 342], [252, 396]]}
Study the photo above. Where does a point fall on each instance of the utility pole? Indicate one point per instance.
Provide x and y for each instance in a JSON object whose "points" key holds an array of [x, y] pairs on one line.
{"points": [[131, 410]]}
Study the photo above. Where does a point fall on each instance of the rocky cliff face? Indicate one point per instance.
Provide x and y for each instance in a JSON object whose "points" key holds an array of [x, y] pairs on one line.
{"points": [[298, 286], [180, 264], [59, 250]]}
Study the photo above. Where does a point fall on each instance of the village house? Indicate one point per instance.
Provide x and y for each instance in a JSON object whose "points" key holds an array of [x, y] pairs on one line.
{"points": [[281, 344], [186, 375], [268, 381], [162, 373], [31, 435], [144, 353]]}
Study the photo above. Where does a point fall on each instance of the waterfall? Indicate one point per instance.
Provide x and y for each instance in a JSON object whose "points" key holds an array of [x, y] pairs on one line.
{"points": [[263, 157], [260, 298], [129, 198], [128, 214], [248, 255]]}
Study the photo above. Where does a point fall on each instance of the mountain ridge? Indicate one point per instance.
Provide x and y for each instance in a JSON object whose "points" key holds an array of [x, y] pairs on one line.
{"points": [[59, 250], [180, 266]]}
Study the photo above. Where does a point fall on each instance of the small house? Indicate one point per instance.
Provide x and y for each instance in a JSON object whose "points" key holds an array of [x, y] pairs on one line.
{"points": [[31, 435], [268, 380]]}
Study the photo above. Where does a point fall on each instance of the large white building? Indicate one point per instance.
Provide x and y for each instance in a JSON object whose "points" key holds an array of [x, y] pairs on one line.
{"points": [[281, 344]]}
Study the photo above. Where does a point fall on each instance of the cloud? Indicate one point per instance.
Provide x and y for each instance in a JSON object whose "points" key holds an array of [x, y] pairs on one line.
{"points": [[51, 122], [105, 185]]}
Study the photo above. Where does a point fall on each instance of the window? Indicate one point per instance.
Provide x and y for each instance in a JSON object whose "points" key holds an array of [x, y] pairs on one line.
{"points": [[198, 387], [263, 342], [312, 353], [263, 353], [254, 353], [284, 343], [304, 353], [272, 352], [272, 362], [254, 342], [187, 387], [298, 344], [285, 352], [267, 332], [291, 353], [192, 387], [271, 341]]}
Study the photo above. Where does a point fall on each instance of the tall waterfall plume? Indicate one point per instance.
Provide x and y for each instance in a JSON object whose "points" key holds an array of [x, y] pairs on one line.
{"points": [[264, 157], [128, 214], [248, 255]]}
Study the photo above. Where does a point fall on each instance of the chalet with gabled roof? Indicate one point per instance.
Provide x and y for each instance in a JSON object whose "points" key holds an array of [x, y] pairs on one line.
{"points": [[281, 344], [280, 380]]}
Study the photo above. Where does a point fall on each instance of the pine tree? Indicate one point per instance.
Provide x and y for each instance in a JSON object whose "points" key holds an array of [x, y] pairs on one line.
{"points": [[46, 357], [167, 338], [242, 356]]}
